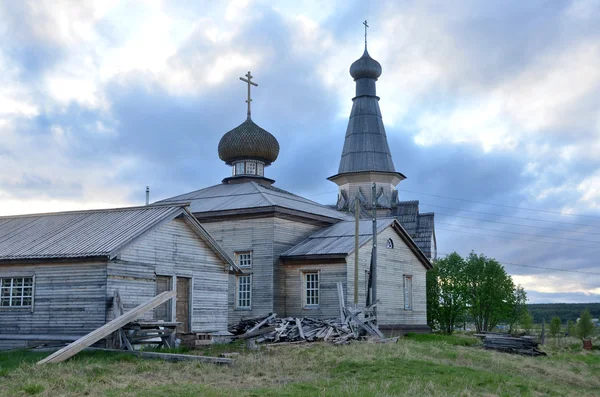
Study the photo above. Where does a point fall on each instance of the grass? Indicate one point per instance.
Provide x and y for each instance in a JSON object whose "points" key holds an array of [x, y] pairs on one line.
{"points": [[432, 365]]}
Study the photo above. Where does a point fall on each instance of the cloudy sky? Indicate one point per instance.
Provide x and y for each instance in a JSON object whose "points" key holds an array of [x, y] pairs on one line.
{"points": [[491, 110]]}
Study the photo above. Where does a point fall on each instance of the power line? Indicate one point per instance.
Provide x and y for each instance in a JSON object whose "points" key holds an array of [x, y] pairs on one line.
{"points": [[515, 238], [516, 224], [522, 234], [509, 216], [500, 205], [537, 267]]}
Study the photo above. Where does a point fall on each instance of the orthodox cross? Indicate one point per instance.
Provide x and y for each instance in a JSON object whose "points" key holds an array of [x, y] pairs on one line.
{"points": [[366, 26], [250, 82]]}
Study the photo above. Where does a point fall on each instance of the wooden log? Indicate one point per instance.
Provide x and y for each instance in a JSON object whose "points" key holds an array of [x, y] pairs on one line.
{"points": [[107, 329], [42, 337], [170, 356]]}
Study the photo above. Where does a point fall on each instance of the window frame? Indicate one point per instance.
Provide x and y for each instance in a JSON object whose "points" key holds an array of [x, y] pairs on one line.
{"points": [[305, 289], [260, 169], [251, 165], [408, 291], [390, 244], [242, 167], [238, 254], [12, 277], [238, 291]]}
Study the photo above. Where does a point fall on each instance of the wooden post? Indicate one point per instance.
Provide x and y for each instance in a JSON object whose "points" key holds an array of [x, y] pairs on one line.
{"points": [[543, 337], [356, 247], [374, 269]]}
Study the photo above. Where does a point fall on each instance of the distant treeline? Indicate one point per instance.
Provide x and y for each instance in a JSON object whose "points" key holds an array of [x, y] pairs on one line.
{"points": [[565, 311]]}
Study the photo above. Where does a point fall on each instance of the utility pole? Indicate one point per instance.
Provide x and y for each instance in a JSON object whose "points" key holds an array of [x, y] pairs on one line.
{"points": [[374, 252], [356, 231]]}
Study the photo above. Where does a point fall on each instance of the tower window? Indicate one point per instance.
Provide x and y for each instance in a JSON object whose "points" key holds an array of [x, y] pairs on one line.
{"points": [[239, 168], [251, 168], [260, 169], [390, 243]]}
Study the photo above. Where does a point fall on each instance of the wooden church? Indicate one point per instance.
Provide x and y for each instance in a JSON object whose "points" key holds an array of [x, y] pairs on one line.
{"points": [[292, 250]]}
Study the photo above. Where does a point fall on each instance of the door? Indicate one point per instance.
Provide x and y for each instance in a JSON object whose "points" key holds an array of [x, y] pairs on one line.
{"points": [[163, 312], [183, 304]]}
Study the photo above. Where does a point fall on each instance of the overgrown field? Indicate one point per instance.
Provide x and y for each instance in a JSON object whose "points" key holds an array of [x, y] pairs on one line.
{"points": [[425, 365]]}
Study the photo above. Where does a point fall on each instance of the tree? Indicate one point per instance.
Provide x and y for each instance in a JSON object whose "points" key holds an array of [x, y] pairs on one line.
{"points": [[433, 300], [527, 322], [519, 307], [450, 294], [489, 291], [585, 327], [555, 324]]}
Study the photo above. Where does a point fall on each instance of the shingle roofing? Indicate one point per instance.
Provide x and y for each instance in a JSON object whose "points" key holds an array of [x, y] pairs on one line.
{"points": [[248, 141], [84, 234], [249, 195], [337, 239]]}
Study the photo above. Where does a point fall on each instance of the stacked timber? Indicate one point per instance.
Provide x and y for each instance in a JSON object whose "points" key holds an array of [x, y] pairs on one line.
{"points": [[524, 345], [272, 329]]}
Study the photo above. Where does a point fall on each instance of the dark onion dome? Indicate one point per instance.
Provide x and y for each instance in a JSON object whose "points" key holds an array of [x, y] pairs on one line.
{"points": [[248, 141], [365, 66]]}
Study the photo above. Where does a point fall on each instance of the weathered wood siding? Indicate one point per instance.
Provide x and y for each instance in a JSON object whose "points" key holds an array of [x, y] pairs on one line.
{"points": [[392, 265], [254, 235], [69, 299], [329, 275], [173, 249], [287, 234]]}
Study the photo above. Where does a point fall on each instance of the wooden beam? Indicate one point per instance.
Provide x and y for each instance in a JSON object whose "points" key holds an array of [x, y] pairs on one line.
{"points": [[263, 322], [107, 329], [60, 338], [340, 291]]}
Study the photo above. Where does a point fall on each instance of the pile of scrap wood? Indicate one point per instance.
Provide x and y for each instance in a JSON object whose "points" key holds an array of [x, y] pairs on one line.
{"points": [[525, 345], [272, 329]]}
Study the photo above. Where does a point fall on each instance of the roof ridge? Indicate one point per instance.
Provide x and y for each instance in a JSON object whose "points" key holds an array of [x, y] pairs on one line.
{"points": [[256, 186], [94, 210]]}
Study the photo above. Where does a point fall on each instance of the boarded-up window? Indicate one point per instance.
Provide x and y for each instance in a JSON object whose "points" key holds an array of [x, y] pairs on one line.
{"points": [[311, 288], [16, 292], [408, 293], [244, 292]]}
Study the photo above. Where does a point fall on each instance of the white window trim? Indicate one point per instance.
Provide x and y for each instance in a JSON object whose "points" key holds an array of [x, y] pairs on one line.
{"points": [[253, 164], [237, 258], [304, 289], [237, 293], [260, 169], [23, 276], [408, 304]]}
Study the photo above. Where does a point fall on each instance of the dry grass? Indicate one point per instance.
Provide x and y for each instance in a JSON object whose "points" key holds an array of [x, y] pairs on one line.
{"points": [[434, 366]]}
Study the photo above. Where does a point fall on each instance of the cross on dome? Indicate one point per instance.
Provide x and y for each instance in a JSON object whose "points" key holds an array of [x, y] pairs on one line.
{"points": [[248, 80]]}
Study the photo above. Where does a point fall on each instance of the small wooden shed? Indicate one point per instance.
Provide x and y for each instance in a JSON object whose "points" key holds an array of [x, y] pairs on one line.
{"points": [[59, 271]]}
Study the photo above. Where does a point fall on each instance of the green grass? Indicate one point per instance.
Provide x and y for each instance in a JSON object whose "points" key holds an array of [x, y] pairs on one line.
{"points": [[432, 365]]}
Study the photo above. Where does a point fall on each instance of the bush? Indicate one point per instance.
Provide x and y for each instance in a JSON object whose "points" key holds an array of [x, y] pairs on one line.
{"points": [[555, 326]]}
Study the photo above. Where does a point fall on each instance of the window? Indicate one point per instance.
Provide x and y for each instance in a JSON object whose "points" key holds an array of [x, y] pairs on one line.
{"points": [[244, 259], [16, 292], [390, 243], [250, 168], [407, 292], [244, 292], [239, 168], [311, 289], [260, 169]]}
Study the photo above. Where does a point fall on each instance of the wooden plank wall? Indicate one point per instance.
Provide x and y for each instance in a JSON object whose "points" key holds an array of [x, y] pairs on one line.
{"points": [[287, 234], [173, 249], [69, 299], [254, 235], [329, 275], [393, 264]]}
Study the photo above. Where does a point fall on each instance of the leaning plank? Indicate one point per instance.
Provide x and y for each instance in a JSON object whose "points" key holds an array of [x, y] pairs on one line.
{"points": [[107, 329], [170, 356], [340, 291], [299, 325], [263, 322]]}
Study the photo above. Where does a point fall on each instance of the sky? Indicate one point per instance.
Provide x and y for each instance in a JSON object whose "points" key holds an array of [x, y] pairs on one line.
{"points": [[492, 111]]}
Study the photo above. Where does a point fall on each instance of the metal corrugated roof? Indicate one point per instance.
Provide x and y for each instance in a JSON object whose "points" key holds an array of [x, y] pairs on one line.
{"points": [[77, 234], [337, 239], [248, 195]]}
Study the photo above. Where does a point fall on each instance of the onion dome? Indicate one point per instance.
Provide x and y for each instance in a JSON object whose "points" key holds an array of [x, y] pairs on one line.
{"points": [[248, 141], [365, 67]]}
